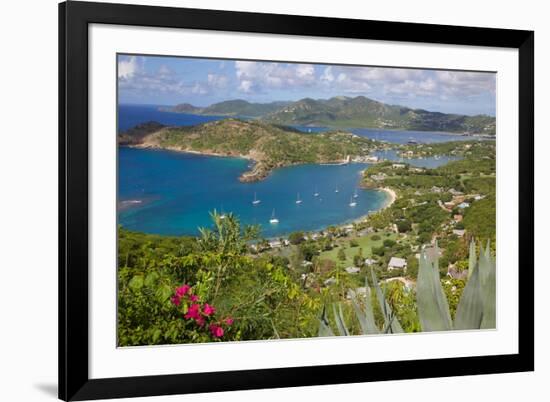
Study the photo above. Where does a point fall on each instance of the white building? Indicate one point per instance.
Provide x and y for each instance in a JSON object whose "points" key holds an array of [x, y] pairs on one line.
{"points": [[397, 263], [352, 270]]}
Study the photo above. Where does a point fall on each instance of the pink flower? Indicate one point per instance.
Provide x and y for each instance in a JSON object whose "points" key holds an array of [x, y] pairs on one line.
{"points": [[216, 330], [200, 321], [182, 290], [229, 320], [175, 300], [194, 298], [193, 312], [208, 309]]}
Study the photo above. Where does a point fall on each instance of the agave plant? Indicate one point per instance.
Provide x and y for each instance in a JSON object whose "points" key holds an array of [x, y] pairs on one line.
{"points": [[477, 306], [365, 317]]}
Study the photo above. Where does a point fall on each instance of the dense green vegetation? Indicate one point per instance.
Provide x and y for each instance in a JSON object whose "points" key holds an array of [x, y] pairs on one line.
{"points": [[260, 296], [343, 111]]}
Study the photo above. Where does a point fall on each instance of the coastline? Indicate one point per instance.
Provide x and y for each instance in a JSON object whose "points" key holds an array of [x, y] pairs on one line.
{"points": [[391, 193]]}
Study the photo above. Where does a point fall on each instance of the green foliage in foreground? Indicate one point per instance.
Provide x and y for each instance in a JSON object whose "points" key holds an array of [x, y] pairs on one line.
{"points": [[476, 308], [259, 295]]}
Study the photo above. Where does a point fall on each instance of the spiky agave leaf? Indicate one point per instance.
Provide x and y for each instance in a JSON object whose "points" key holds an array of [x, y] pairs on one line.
{"points": [[469, 312], [472, 260], [391, 325], [433, 308], [324, 326], [340, 322], [366, 318], [488, 290]]}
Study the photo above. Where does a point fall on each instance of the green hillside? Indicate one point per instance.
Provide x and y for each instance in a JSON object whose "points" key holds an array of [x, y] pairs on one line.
{"points": [[270, 146]]}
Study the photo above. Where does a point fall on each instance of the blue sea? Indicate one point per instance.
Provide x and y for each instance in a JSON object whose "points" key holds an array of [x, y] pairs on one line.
{"points": [[172, 193]]}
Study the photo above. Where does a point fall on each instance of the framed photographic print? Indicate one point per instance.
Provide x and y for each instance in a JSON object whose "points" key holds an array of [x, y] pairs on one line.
{"points": [[257, 201]]}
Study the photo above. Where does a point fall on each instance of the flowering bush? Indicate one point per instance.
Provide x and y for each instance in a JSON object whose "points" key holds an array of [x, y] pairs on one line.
{"points": [[201, 315]]}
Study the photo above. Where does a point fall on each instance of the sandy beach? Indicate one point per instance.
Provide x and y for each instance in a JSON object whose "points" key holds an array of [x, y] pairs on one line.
{"points": [[392, 194]]}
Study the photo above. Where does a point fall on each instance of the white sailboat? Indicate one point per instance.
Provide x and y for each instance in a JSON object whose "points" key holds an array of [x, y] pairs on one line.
{"points": [[298, 200], [316, 194], [336, 190], [273, 219], [355, 195], [256, 200], [352, 202]]}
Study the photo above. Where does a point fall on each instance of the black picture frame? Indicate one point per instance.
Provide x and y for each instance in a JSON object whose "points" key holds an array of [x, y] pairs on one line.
{"points": [[74, 19]]}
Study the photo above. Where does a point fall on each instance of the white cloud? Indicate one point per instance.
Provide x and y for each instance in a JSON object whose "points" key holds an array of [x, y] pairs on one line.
{"points": [[127, 67], [134, 77], [259, 76], [199, 89], [217, 81], [460, 83], [327, 75], [245, 86]]}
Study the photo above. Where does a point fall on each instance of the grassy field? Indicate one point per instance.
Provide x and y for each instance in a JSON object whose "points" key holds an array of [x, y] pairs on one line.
{"points": [[364, 242]]}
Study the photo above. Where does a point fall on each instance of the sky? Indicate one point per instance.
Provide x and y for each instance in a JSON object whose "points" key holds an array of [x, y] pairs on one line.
{"points": [[201, 82]]}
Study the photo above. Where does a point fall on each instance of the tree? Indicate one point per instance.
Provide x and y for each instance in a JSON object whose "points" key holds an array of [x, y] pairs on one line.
{"points": [[389, 243], [359, 259], [296, 238], [412, 267], [341, 254], [403, 226], [308, 250]]}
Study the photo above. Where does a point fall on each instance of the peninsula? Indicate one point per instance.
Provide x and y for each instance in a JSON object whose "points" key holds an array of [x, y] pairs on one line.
{"points": [[269, 146]]}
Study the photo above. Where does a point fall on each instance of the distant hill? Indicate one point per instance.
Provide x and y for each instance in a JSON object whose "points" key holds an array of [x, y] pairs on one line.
{"points": [[237, 107], [342, 111], [364, 112], [268, 145]]}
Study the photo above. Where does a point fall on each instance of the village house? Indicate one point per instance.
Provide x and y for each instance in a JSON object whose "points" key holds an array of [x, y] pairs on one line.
{"points": [[436, 189], [431, 253], [457, 199], [398, 165], [449, 204], [378, 177], [463, 205], [330, 281], [457, 218], [352, 270], [455, 192], [275, 244], [397, 263], [369, 262], [459, 232], [454, 273]]}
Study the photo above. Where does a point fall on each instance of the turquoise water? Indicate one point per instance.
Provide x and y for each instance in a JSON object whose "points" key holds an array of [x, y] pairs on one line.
{"points": [[176, 192], [430, 162], [172, 193]]}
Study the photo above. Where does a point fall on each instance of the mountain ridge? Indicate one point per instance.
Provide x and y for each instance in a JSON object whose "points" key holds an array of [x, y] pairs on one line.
{"points": [[345, 112]]}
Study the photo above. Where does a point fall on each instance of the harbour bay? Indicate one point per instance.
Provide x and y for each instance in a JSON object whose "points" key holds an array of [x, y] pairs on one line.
{"points": [[172, 193]]}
